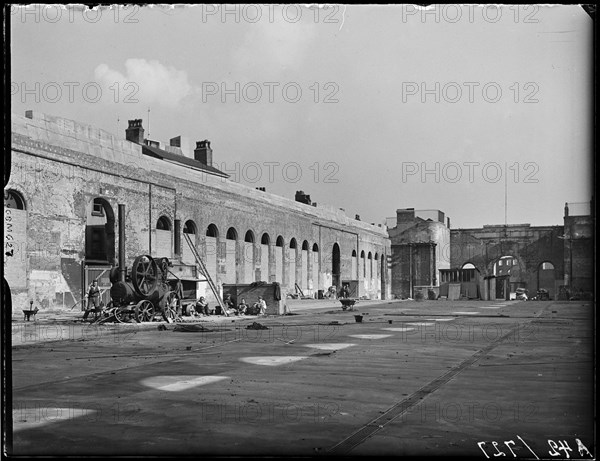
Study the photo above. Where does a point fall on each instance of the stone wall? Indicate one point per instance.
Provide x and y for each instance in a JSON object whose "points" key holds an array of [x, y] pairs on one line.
{"points": [[60, 166]]}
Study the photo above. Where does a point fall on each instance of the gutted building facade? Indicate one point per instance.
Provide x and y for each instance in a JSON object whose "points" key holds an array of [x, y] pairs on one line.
{"points": [[61, 225], [559, 259], [420, 250], [493, 261]]}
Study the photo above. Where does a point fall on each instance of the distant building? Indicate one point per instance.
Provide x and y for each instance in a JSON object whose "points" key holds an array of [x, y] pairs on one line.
{"points": [[578, 247], [559, 259], [491, 262], [420, 249]]}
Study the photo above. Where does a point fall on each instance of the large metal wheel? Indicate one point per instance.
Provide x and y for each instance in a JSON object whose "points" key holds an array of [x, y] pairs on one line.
{"points": [[124, 314], [144, 275], [144, 311], [171, 303]]}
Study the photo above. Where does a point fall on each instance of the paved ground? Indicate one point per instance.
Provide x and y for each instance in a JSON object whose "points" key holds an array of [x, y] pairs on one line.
{"points": [[433, 378]]}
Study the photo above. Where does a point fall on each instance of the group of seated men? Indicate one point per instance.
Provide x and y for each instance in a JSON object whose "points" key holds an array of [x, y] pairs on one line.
{"points": [[201, 307]]}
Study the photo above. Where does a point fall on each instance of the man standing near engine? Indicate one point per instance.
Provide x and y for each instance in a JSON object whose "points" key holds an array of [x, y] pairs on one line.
{"points": [[93, 303]]}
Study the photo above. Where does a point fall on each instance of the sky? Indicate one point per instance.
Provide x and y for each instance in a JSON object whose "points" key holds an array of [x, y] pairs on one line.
{"points": [[481, 112]]}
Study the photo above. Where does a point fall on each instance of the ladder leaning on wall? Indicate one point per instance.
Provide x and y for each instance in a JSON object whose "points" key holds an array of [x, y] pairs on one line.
{"points": [[204, 272]]}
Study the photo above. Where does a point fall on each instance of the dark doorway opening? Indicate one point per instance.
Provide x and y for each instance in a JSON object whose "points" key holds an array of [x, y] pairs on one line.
{"points": [[335, 266], [100, 233]]}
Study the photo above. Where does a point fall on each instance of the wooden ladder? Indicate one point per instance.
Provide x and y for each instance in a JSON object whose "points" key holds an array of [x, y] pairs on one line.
{"points": [[204, 272]]}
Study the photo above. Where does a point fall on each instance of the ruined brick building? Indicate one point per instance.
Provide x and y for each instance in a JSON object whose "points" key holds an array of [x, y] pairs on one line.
{"points": [[420, 249], [61, 227], [493, 261]]}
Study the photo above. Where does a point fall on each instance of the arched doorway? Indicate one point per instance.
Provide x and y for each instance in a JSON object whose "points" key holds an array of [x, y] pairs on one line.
{"points": [[383, 275], [336, 266], [279, 243], [292, 264], [187, 256], [265, 245], [315, 267], [249, 257], [377, 276], [211, 239], [369, 276], [231, 255], [507, 273], [99, 246], [100, 233], [546, 278], [164, 238], [304, 268]]}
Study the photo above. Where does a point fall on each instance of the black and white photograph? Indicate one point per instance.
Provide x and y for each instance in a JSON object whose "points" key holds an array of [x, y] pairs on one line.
{"points": [[299, 230]]}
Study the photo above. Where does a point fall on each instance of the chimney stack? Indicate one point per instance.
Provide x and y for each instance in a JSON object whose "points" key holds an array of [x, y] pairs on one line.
{"points": [[203, 152], [302, 197], [407, 215], [135, 131]]}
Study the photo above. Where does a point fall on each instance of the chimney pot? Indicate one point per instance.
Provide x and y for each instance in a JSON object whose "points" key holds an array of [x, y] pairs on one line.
{"points": [[135, 131], [302, 197], [203, 152]]}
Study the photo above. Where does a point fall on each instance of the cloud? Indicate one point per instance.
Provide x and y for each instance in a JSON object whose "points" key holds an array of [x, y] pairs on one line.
{"points": [[154, 82]]}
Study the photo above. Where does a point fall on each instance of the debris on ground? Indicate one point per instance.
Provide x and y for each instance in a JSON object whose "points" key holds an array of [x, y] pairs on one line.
{"points": [[190, 328], [161, 328], [286, 342], [256, 326]]}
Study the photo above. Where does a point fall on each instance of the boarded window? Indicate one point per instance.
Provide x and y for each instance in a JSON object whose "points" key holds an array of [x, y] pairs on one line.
{"points": [[15, 240]]}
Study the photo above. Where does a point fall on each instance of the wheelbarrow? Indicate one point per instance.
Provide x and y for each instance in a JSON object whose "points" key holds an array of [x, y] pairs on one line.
{"points": [[29, 312], [348, 303]]}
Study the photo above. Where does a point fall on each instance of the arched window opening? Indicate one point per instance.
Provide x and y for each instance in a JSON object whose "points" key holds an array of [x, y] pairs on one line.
{"points": [[231, 234], [212, 231], [163, 223], [12, 199], [189, 227]]}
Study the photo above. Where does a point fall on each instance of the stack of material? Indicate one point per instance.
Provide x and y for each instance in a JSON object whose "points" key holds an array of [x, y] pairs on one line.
{"points": [[453, 291]]}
